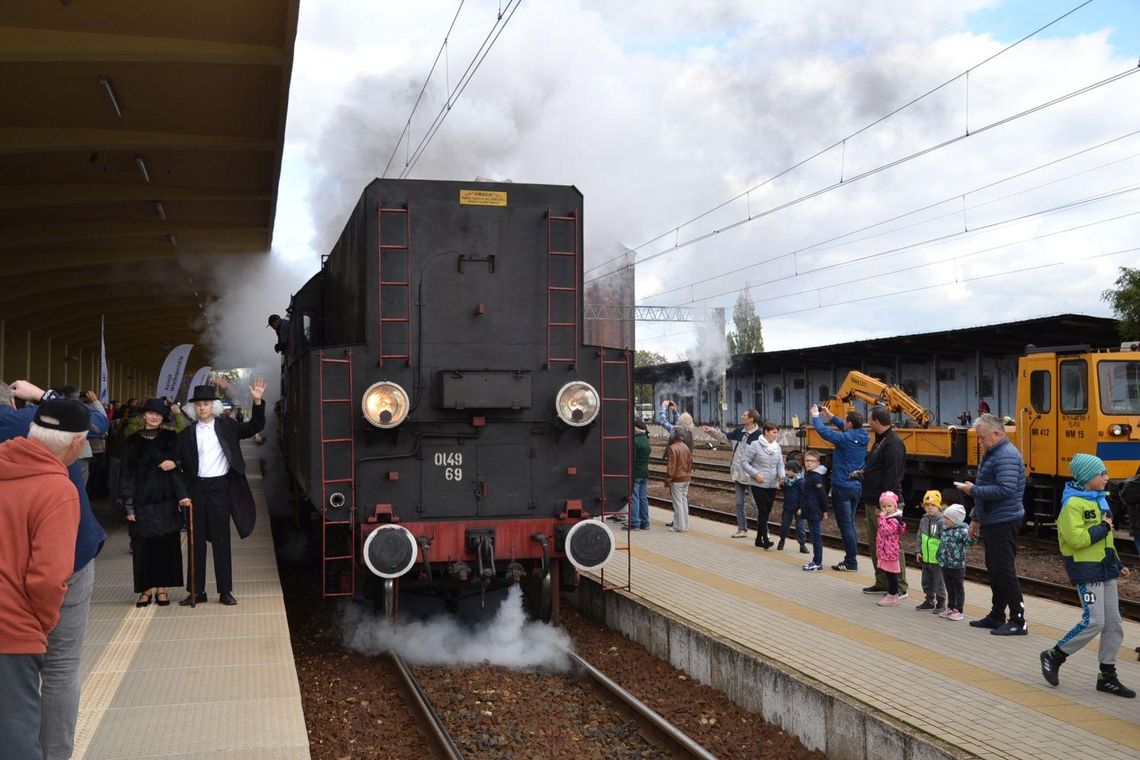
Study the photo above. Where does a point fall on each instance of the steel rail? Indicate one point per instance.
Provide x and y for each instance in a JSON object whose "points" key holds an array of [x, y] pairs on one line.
{"points": [[643, 711], [446, 745], [1058, 592]]}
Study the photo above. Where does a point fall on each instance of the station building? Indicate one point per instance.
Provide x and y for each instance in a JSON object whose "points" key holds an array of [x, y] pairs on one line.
{"points": [[948, 371]]}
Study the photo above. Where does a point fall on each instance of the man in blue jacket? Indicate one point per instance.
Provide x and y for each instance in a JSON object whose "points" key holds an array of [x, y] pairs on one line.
{"points": [[998, 492], [60, 676], [850, 441]]}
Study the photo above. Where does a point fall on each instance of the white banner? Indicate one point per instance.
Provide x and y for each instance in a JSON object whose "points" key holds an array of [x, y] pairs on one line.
{"points": [[104, 396], [173, 369], [201, 377]]}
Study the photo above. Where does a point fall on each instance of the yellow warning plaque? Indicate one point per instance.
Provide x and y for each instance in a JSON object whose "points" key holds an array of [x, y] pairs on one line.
{"points": [[482, 198]]}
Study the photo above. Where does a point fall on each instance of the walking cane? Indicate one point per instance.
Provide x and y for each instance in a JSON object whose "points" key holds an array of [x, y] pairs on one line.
{"points": [[190, 541]]}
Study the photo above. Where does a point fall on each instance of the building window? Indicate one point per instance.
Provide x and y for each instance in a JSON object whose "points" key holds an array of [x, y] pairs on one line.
{"points": [[910, 388], [824, 393], [738, 396], [946, 374], [777, 395], [986, 386], [1074, 387], [798, 384], [1040, 390]]}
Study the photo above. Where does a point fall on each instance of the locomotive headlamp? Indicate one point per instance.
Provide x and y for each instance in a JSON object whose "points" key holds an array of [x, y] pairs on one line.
{"points": [[385, 404], [577, 403], [1119, 430]]}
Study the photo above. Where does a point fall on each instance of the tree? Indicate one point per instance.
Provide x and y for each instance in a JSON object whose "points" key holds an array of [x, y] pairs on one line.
{"points": [[642, 358], [747, 338], [1125, 302]]}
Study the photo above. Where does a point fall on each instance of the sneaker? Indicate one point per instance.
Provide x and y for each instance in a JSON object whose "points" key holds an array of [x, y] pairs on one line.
{"points": [[843, 568], [1108, 682], [926, 605], [1011, 629], [878, 590], [668, 525], [902, 595], [939, 605], [1051, 666], [804, 549], [889, 600], [987, 622], [812, 567], [740, 534], [946, 613], [955, 615]]}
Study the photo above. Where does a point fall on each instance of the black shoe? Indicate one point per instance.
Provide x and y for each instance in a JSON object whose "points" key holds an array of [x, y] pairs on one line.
{"points": [[1107, 681], [843, 568], [227, 599], [804, 549], [875, 590], [987, 622], [1051, 666], [199, 598], [668, 525], [928, 604], [1012, 628], [780, 546]]}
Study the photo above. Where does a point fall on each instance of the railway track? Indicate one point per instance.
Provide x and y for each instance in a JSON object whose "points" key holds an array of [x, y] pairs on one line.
{"points": [[1129, 609], [668, 738]]}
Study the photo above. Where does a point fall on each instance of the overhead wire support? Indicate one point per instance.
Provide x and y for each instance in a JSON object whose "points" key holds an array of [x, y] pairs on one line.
{"points": [[879, 169], [857, 132], [408, 123]]}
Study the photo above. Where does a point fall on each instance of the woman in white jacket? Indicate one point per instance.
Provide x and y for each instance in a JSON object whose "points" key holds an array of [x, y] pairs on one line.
{"points": [[764, 463]]}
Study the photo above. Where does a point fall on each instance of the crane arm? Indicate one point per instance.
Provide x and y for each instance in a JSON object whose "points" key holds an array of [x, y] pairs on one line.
{"points": [[874, 391]]}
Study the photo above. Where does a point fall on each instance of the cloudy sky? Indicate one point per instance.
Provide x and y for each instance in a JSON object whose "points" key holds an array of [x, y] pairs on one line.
{"points": [[662, 111]]}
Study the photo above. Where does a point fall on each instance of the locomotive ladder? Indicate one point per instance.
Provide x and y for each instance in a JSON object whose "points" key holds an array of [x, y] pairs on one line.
{"points": [[619, 404], [338, 536], [560, 326], [403, 317]]}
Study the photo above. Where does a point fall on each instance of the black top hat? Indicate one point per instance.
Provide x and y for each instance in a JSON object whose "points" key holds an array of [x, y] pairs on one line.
{"points": [[157, 405], [64, 414], [204, 393], [273, 318]]}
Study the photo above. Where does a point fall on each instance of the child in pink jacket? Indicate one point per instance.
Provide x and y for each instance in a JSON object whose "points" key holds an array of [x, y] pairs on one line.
{"points": [[887, 551]]}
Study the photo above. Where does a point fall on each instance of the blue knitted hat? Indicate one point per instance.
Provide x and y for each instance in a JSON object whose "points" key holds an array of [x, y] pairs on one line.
{"points": [[1085, 467]]}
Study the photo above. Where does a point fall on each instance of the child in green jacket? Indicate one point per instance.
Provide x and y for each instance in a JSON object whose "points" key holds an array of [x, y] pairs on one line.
{"points": [[1084, 532]]}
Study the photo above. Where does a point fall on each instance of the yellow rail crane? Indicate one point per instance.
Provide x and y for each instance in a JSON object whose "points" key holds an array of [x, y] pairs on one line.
{"points": [[1070, 399]]}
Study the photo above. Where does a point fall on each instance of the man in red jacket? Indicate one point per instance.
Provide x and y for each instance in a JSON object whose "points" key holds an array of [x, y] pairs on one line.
{"points": [[39, 518]]}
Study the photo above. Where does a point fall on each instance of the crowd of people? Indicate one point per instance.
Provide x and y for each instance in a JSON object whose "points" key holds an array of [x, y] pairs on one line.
{"points": [[168, 468], [871, 473]]}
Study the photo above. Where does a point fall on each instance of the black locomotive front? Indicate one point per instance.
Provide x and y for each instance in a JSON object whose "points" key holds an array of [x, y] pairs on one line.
{"points": [[442, 411]]}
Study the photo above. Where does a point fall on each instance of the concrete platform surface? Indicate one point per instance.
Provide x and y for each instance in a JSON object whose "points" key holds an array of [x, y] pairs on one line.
{"points": [[180, 683], [978, 693]]}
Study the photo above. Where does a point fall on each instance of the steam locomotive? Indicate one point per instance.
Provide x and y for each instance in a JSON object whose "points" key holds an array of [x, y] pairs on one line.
{"points": [[441, 411]]}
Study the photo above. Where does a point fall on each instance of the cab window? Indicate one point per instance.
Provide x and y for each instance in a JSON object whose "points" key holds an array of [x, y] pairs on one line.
{"points": [[1074, 387], [1041, 390], [1119, 387]]}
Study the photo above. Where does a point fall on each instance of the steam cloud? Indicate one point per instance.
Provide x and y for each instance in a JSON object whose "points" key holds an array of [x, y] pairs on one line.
{"points": [[508, 640]]}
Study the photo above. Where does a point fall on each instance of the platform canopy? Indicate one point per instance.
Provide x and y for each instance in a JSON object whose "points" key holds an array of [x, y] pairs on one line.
{"points": [[137, 139]]}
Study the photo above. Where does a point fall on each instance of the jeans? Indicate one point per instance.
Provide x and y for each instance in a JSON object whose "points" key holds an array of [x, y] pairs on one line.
{"points": [[882, 580], [20, 685], [1000, 542], [60, 705], [680, 494], [639, 504], [844, 501], [786, 517], [816, 542], [743, 496]]}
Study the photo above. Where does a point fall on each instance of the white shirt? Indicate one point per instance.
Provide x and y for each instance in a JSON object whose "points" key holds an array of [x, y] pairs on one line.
{"points": [[211, 459]]}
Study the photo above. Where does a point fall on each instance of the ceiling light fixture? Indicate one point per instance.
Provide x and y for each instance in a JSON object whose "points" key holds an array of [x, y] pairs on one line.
{"points": [[160, 209], [172, 240], [141, 164], [105, 81]]}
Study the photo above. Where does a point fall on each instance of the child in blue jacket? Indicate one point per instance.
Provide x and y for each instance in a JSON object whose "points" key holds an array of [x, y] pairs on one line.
{"points": [[813, 507], [793, 496]]}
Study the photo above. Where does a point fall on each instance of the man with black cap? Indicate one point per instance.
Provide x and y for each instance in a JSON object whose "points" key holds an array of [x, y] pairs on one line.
{"points": [[214, 469], [60, 693], [281, 327], [39, 519]]}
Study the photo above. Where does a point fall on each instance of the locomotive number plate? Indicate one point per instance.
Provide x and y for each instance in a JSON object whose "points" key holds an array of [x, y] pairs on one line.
{"points": [[450, 463]]}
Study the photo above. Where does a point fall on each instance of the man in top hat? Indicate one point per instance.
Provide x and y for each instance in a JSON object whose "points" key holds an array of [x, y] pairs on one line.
{"points": [[39, 521], [214, 469], [281, 327]]}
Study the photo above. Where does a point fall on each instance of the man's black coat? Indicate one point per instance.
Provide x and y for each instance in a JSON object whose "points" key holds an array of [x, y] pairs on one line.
{"points": [[230, 432], [885, 466]]}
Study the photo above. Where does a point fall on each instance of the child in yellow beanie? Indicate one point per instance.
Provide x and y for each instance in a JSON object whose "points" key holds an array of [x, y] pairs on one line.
{"points": [[929, 536]]}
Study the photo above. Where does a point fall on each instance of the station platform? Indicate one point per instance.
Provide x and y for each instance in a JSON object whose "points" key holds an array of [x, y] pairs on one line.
{"points": [[973, 693], [181, 683]]}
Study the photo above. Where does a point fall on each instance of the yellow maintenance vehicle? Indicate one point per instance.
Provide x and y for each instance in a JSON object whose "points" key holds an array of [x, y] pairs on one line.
{"points": [[1070, 399]]}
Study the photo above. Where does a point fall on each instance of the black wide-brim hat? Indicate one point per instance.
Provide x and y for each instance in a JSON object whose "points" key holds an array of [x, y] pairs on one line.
{"points": [[156, 405], [204, 393]]}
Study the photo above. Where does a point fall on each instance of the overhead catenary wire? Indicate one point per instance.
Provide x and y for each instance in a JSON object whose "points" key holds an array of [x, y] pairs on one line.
{"points": [[504, 17], [878, 169], [842, 141], [408, 123], [832, 242]]}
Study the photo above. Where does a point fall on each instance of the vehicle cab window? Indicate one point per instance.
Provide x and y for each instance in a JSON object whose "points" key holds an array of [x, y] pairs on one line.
{"points": [[1041, 390], [1074, 386], [1119, 383]]}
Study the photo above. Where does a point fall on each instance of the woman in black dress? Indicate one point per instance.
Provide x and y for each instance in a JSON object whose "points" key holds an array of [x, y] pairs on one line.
{"points": [[151, 489]]}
